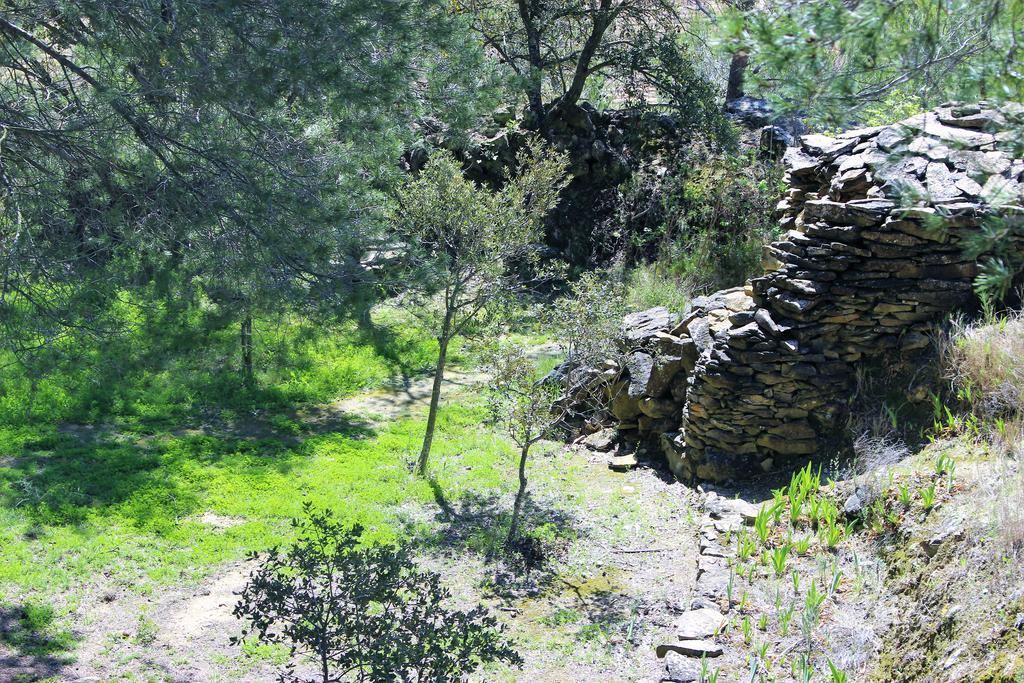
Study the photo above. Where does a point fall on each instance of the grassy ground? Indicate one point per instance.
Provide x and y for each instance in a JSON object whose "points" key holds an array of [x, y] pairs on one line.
{"points": [[171, 513], [122, 539]]}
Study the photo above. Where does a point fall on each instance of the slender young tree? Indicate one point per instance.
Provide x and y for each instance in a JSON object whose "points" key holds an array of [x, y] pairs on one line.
{"points": [[525, 407], [467, 246]]}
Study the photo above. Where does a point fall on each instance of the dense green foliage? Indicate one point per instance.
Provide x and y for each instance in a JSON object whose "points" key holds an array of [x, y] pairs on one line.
{"points": [[363, 612], [241, 146], [703, 224], [184, 365], [836, 61]]}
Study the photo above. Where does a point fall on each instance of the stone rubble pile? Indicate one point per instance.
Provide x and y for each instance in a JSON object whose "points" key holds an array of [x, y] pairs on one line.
{"points": [[871, 256], [697, 631]]}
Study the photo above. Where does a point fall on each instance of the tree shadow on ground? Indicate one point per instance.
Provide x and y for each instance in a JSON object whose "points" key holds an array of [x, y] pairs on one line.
{"points": [[294, 425], [387, 344], [321, 419], [30, 648], [478, 523], [64, 481], [606, 613]]}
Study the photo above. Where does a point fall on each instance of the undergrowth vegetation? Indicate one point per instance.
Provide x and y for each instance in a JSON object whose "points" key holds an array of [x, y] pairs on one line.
{"points": [[169, 364], [986, 367], [702, 226]]}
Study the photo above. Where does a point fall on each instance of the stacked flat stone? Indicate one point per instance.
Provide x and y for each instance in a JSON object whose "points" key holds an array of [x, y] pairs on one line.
{"points": [[872, 255]]}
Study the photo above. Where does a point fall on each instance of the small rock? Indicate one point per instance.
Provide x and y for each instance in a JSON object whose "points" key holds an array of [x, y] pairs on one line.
{"points": [[728, 525], [712, 585], [787, 445], [712, 549], [602, 440], [625, 408], [691, 648], [701, 603], [746, 511], [639, 364], [623, 463], [950, 532], [638, 329], [699, 624], [658, 407], [681, 669], [710, 564], [856, 503]]}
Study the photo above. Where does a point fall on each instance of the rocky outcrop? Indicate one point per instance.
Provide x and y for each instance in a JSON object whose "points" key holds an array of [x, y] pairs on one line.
{"points": [[872, 254], [774, 133], [604, 148]]}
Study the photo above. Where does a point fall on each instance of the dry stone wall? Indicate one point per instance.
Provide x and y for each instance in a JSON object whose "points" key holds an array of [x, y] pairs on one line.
{"points": [[872, 254]]}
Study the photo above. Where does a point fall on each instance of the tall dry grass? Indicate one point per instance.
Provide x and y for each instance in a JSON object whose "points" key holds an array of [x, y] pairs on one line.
{"points": [[985, 364]]}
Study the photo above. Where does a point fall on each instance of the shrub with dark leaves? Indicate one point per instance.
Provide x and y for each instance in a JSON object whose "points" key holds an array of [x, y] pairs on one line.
{"points": [[363, 612]]}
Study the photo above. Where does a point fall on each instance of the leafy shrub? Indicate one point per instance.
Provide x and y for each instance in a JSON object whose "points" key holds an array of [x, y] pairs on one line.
{"points": [[589, 319], [706, 221], [363, 613]]}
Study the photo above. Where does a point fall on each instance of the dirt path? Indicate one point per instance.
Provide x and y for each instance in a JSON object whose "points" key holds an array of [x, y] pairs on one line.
{"points": [[398, 400], [632, 572]]}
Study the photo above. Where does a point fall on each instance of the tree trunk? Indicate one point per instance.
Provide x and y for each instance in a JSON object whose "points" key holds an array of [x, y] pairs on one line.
{"points": [[535, 82], [30, 403], [737, 71], [738, 63], [435, 395], [325, 666], [246, 334], [602, 20], [517, 507]]}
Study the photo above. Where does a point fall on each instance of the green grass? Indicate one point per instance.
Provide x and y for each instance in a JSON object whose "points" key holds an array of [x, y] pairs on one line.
{"points": [[126, 512], [171, 367], [130, 510], [148, 468], [121, 503]]}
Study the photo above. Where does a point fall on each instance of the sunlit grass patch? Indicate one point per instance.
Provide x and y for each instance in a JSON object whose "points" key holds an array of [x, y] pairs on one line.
{"points": [[133, 511], [169, 367]]}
